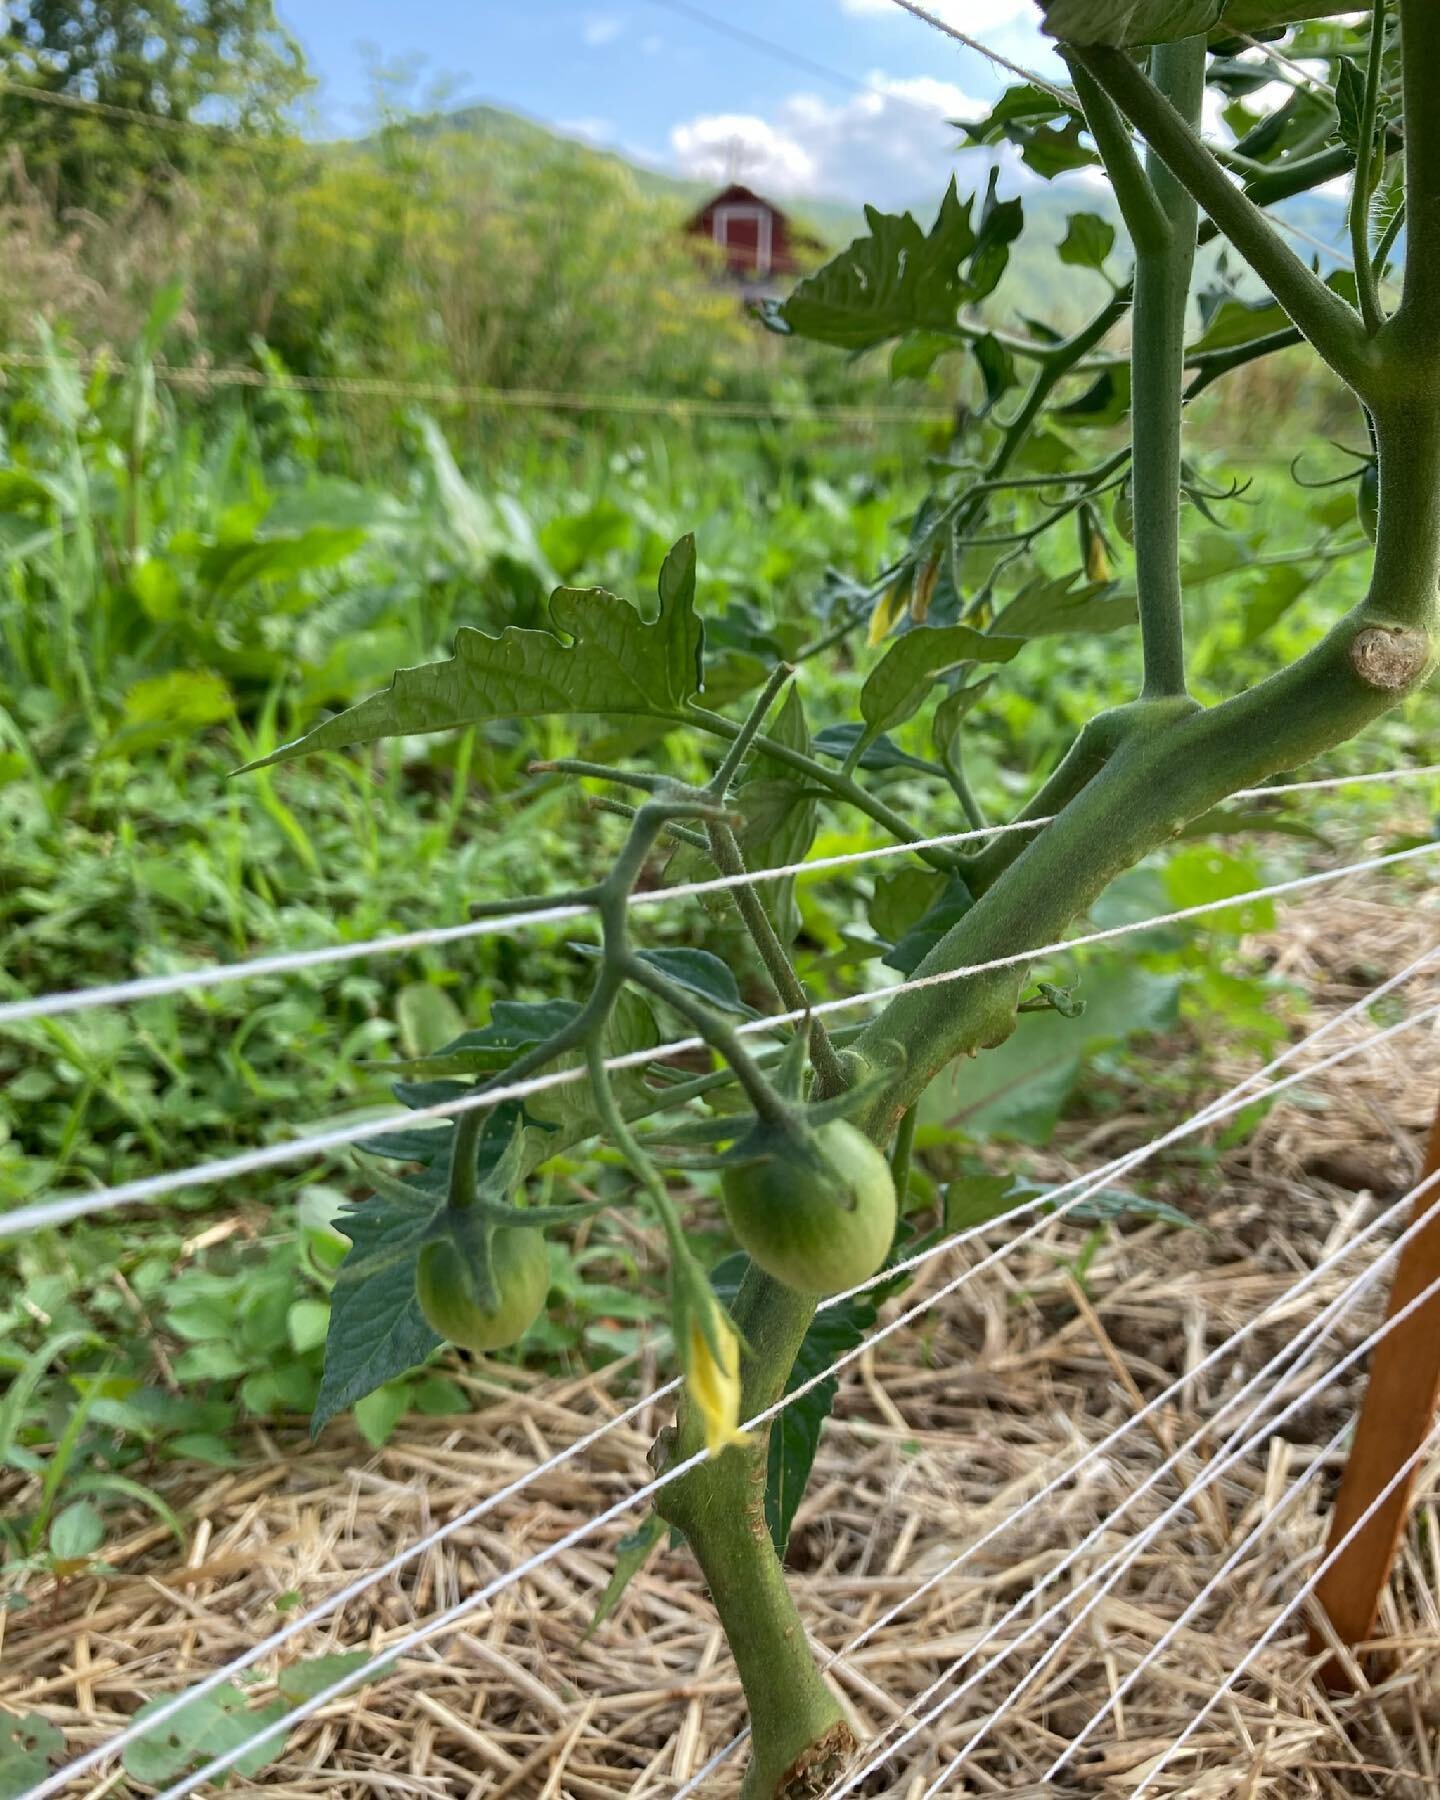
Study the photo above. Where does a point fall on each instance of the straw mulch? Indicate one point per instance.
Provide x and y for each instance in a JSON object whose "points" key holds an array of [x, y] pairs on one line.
{"points": [[939, 1435]]}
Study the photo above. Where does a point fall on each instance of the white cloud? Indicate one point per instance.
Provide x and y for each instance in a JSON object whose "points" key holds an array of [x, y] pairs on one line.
{"points": [[652, 44], [892, 144], [739, 146], [600, 29]]}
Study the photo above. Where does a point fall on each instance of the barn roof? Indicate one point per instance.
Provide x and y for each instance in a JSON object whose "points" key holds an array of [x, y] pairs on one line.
{"points": [[737, 194]]}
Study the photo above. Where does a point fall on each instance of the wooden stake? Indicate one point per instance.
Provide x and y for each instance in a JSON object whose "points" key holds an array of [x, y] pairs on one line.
{"points": [[1398, 1413]]}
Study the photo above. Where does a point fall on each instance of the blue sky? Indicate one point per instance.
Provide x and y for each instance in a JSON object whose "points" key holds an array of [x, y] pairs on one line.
{"points": [[643, 79]]}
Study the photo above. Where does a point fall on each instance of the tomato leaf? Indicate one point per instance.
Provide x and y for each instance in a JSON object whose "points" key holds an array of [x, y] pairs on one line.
{"points": [[1130, 21], [1088, 240], [601, 656], [795, 1432], [896, 687], [899, 279]]}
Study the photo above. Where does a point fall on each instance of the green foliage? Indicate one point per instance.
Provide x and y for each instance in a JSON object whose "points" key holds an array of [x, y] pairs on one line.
{"points": [[27, 1743], [228, 61], [900, 279], [600, 656]]}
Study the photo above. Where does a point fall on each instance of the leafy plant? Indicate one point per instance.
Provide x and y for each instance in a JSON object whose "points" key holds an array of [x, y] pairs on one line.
{"points": [[797, 1131]]}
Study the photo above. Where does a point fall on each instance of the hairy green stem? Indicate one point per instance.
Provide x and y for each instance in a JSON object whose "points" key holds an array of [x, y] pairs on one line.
{"points": [[1332, 327], [1163, 266], [1212, 364], [1367, 285], [1419, 308], [1146, 220], [1176, 762], [839, 786], [730, 860], [719, 785], [800, 1740]]}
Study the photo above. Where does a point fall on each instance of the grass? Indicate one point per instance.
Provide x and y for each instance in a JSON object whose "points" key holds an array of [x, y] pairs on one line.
{"points": [[187, 586]]}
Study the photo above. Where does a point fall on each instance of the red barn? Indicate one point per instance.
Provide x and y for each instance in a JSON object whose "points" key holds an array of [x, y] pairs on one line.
{"points": [[756, 239]]}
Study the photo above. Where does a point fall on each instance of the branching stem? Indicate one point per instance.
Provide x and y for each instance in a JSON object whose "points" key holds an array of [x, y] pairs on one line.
{"points": [[1367, 285], [1163, 265], [730, 860], [1331, 326]]}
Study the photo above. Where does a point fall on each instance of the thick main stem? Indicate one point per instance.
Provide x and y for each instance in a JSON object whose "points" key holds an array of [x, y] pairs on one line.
{"points": [[1174, 763], [1162, 293], [800, 1740]]}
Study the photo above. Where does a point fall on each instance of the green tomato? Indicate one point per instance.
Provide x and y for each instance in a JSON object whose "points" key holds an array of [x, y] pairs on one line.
{"points": [[521, 1267], [1367, 499], [815, 1235]]}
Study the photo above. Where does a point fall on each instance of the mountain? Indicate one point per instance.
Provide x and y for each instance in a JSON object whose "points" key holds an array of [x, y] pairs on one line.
{"points": [[517, 144]]}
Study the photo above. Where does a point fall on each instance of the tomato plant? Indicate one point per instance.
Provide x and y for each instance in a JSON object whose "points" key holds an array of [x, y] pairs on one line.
{"points": [[799, 1127]]}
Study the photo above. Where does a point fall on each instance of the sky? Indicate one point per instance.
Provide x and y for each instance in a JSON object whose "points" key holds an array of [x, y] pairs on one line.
{"points": [[646, 79]]}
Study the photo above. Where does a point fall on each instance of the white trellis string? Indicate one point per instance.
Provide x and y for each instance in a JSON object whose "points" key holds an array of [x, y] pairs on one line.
{"points": [[1172, 1631], [1226, 1347], [1264, 1378], [23, 1220], [934, 20], [152, 987], [1302, 1594], [1241, 1094], [1122, 1559], [442, 1622], [1295, 1491]]}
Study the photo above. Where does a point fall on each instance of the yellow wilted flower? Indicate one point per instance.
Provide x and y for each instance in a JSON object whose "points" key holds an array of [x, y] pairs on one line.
{"points": [[924, 591], [888, 609], [1094, 551], [712, 1378]]}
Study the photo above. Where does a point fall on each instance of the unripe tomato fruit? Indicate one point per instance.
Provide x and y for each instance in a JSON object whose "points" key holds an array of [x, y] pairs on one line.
{"points": [[1367, 499], [798, 1227], [521, 1268]]}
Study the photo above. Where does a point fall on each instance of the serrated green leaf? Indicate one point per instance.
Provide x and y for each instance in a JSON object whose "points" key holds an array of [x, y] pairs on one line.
{"points": [[1349, 104], [377, 1330], [899, 279], [601, 656], [1048, 607], [1088, 240], [1125, 22], [896, 687]]}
